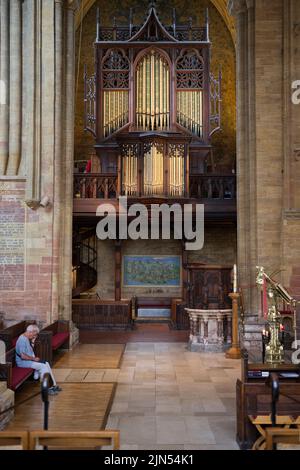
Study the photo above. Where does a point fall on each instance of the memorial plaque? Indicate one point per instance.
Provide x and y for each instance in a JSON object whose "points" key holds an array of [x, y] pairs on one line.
{"points": [[12, 237]]}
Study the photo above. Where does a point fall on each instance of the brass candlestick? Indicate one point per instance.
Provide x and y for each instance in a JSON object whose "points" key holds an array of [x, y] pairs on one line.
{"points": [[234, 352]]}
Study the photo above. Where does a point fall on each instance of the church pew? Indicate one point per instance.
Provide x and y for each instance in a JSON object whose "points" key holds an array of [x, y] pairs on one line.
{"points": [[253, 396], [74, 439], [51, 338], [11, 373], [14, 438], [10, 334]]}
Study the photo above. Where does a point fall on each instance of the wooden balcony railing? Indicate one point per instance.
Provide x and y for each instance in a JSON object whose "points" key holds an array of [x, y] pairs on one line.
{"points": [[202, 186], [212, 187], [95, 186]]}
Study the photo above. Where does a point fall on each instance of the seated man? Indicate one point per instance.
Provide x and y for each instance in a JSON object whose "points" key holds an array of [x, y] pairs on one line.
{"points": [[25, 357]]}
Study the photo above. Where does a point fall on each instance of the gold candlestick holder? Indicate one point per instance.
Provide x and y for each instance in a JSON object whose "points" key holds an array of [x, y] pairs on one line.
{"points": [[234, 352]]}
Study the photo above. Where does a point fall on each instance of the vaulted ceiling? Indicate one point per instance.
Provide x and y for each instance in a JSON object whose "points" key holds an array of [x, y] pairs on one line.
{"points": [[221, 6]]}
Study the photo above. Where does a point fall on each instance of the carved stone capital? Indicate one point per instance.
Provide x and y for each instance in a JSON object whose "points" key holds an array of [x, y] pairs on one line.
{"points": [[33, 204], [235, 7], [250, 4], [297, 29], [73, 5], [296, 152]]}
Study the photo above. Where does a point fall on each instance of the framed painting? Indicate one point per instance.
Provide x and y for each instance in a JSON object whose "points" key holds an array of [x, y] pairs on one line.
{"points": [[151, 271]]}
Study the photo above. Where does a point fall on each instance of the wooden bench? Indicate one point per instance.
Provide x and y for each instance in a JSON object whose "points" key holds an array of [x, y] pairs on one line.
{"points": [[276, 436], [152, 303], [31, 440], [74, 439], [11, 373], [52, 338], [10, 334], [14, 438]]}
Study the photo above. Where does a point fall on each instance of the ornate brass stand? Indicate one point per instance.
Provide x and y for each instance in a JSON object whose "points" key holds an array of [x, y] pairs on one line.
{"points": [[234, 352], [274, 292], [274, 349]]}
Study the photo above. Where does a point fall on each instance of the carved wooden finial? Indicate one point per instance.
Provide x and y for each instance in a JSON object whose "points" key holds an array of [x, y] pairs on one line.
{"points": [[98, 25], [130, 21], [174, 20], [207, 24]]}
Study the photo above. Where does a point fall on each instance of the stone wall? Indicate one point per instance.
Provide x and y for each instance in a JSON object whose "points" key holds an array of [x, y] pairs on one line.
{"points": [[223, 56], [219, 249], [28, 262]]}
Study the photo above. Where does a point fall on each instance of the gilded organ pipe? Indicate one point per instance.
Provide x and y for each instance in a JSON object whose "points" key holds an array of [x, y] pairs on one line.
{"points": [[189, 110], [152, 94], [115, 110]]}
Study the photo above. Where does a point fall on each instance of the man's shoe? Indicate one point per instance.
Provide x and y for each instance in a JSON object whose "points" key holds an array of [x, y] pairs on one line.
{"points": [[57, 388], [52, 391]]}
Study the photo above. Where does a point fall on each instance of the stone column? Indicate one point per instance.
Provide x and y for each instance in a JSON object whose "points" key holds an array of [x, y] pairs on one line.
{"points": [[31, 120], [15, 86], [220, 334], [4, 84], [205, 335], [201, 338], [68, 146], [58, 201], [194, 329]]}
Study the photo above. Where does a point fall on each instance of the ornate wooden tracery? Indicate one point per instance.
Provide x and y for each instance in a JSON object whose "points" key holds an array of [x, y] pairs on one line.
{"points": [[152, 79]]}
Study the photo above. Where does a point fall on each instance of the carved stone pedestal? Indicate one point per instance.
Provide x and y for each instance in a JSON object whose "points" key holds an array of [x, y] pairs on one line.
{"points": [[209, 330], [7, 399]]}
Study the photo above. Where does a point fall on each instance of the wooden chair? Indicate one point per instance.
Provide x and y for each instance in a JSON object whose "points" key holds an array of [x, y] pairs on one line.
{"points": [[281, 436], [74, 439], [14, 438]]}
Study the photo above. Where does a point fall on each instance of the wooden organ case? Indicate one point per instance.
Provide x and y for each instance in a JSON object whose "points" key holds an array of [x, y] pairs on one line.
{"points": [[152, 105]]}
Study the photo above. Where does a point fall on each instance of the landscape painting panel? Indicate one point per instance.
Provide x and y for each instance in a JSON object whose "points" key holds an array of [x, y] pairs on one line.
{"points": [[151, 271]]}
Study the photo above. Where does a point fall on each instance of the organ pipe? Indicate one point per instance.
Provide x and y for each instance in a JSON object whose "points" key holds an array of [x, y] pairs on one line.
{"points": [[152, 94], [189, 111], [115, 111]]}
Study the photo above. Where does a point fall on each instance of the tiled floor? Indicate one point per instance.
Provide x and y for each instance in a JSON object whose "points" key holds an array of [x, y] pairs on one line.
{"points": [[170, 398]]}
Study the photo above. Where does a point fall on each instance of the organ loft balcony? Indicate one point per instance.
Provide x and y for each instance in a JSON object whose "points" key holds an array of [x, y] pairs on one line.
{"points": [[152, 105], [216, 191]]}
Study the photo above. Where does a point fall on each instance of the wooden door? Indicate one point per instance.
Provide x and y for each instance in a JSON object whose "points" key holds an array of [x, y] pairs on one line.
{"points": [[209, 287]]}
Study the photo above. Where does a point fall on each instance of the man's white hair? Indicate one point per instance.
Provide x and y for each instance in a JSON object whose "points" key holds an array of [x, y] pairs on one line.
{"points": [[32, 328]]}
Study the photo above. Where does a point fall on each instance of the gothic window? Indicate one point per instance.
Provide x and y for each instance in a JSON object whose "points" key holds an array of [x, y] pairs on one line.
{"points": [[153, 93]]}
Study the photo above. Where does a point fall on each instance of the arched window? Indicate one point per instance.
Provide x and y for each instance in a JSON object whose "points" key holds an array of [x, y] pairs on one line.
{"points": [[152, 93]]}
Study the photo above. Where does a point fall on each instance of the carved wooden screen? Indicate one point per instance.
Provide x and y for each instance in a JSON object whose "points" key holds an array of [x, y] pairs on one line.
{"points": [[153, 168], [190, 83], [176, 169], [129, 169], [152, 93], [115, 79]]}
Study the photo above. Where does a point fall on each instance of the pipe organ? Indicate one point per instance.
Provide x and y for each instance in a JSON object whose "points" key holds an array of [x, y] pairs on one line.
{"points": [[176, 169], [129, 169], [152, 93], [153, 169], [156, 104]]}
